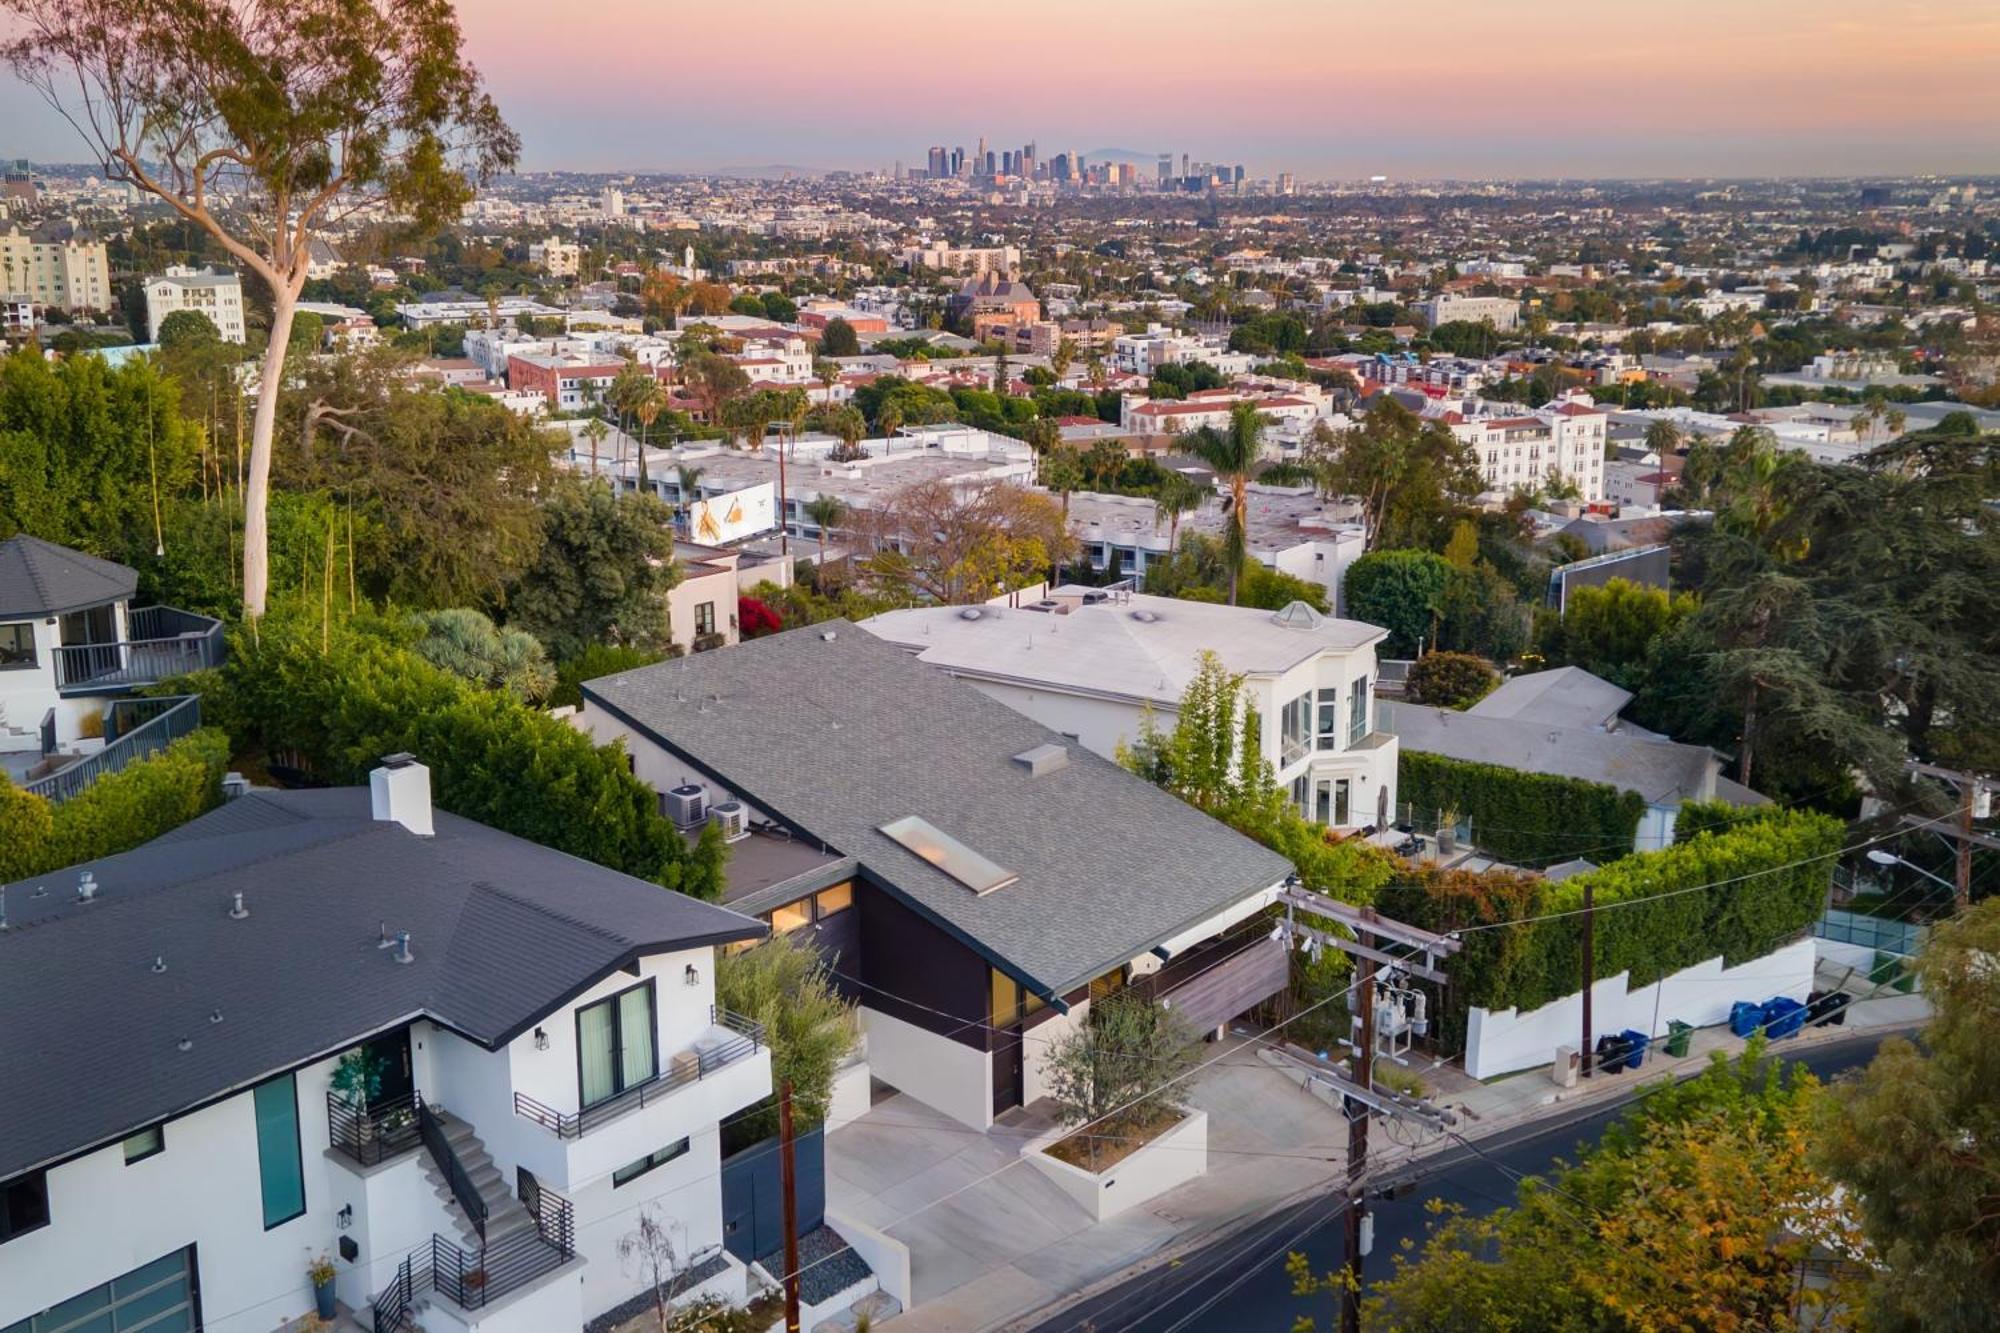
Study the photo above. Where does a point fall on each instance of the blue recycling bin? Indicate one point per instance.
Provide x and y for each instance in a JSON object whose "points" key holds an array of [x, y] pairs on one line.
{"points": [[1783, 1017], [1745, 1018], [1635, 1043]]}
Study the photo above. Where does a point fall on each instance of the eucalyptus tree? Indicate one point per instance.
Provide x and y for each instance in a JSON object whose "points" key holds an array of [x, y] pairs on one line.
{"points": [[264, 123]]}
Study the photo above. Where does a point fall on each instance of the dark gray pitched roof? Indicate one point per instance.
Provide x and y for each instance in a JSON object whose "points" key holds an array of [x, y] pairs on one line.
{"points": [[504, 931], [836, 732], [39, 578]]}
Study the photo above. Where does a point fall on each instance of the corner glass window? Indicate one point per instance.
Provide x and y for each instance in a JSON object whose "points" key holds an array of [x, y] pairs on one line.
{"points": [[24, 1205], [836, 899], [791, 917], [1357, 722]]}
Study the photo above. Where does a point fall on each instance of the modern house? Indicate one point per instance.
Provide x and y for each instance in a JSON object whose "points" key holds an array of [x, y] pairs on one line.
{"points": [[1566, 722], [72, 643], [340, 1023], [1092, 663], [976, 879]]}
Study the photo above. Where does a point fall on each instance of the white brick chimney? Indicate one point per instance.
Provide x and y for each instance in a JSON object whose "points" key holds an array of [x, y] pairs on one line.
{"points": [[400, 790]]}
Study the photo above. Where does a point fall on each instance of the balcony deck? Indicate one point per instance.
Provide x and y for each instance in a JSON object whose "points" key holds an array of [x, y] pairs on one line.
{"points": [[746, 1039], [163, 642]]}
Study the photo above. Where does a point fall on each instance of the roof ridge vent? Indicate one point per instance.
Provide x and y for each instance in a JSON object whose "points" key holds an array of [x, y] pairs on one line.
{"points": [[86, 887]]}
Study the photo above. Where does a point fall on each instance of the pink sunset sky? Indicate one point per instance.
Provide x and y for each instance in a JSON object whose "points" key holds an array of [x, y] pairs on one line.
{"points": [[1322, 87]]}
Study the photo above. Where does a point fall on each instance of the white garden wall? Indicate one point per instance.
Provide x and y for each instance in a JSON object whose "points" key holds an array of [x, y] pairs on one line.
{"points": [[1504, 1040], [1174, 1158]]}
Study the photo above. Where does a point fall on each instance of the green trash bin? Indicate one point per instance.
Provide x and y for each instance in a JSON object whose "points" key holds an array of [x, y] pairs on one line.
{"points": [[1678, 1036]]}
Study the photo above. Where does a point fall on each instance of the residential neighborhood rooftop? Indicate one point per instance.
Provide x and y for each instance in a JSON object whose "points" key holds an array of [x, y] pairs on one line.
{"points": [[836, 733], [39, 578], [182, 999]]}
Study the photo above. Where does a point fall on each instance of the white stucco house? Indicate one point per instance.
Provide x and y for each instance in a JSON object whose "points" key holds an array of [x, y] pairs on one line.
{"points": [[1091, 663], [458, 1065], [71, 643]]}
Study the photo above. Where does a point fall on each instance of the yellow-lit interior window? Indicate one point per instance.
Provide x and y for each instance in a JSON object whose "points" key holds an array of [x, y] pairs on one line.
{"points": [[791, 916], [836, 899]]}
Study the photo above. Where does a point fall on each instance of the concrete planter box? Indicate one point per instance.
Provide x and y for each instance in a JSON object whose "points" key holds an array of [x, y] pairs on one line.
{"points": [[1174, 1158]]}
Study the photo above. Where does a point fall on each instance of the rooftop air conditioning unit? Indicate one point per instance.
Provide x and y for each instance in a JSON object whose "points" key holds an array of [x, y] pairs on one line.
{"points": [[686, 805], [733, 818]]}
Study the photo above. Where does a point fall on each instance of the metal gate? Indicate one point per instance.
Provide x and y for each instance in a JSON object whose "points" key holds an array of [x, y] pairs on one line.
{"points": [[753, 1200]]}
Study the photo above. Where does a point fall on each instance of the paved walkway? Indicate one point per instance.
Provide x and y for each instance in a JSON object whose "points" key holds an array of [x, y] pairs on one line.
{"points": [[992, 1240]]}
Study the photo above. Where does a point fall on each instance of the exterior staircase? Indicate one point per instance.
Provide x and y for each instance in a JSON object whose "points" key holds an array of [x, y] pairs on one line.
{"points": [[504, 1212]]}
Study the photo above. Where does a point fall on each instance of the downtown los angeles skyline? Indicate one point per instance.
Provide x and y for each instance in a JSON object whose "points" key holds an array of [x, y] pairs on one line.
{"points": [[1481, 89]]}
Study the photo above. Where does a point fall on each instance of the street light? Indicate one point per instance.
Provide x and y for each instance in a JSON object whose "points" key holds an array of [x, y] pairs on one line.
{"points": [[1882, 858]]}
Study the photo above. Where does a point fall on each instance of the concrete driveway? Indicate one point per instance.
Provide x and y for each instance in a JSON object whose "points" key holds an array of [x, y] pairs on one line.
{"points": [[991, 1238]]}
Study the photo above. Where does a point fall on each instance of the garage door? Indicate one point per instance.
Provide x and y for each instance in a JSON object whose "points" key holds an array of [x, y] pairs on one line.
{"points": [[158, 1298]]}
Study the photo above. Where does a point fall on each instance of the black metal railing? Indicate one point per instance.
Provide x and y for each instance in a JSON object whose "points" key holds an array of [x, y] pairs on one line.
{"points": [[387, 1127], [163, 641], [433, 1133], [748, 1040], [392, 1308], [180, 715], [510, 1262]]}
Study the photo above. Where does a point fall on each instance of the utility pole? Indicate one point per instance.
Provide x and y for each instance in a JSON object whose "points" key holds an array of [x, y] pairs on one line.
{"points": [[1589, 969], [1970, 787], [1408, 952], [1357, 1129], [790, 1186]]}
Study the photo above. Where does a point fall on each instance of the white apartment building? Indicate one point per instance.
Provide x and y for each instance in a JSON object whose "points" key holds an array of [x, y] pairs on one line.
{"points": [[1212, 407], [1503, 312], [1093, 663], [559, 258], [71, 275], [215, 293], [973, 260], [1144, 353], [1524, 449], [457, 1065], [19, 313]]}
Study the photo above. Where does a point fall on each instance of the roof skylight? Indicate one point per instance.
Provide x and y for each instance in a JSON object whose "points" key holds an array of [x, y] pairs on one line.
{"points": [[948, 854]]}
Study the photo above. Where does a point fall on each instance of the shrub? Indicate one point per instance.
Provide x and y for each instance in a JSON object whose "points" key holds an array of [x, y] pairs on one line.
{"points": [[334, 713], [1113, 1075], [1738, 892], [755, 619], [114, 814], [783, 984], [1450, 680], [1533, 818], [599, 659]]}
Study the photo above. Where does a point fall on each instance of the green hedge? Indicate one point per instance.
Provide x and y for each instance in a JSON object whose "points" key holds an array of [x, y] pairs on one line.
{"points": [[116, 813], [335, 710], [1754, 882], [1537, 819]]}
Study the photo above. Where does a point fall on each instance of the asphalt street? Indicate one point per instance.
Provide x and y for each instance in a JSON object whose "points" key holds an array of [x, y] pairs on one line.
{"points": [[1239, 1283]]}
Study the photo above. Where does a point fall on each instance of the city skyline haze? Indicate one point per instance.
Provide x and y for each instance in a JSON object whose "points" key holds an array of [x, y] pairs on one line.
{"points": [[1559, 88]]}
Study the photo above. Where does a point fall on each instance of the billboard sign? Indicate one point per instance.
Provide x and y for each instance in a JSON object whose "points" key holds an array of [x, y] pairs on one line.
{"points": [[734, 515]]}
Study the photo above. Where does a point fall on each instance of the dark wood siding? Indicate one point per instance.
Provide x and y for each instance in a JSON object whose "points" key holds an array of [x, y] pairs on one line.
{"points": [[1240, 980], [904, 956]]}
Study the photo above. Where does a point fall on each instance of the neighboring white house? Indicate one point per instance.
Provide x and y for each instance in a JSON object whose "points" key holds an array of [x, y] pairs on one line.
{"points": [[559, 257], [70, 642], [535, 1058], [213, 292], [1091, 663]]}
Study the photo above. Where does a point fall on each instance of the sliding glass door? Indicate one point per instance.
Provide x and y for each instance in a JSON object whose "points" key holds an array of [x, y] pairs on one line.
{"points": [[615, 1047]]}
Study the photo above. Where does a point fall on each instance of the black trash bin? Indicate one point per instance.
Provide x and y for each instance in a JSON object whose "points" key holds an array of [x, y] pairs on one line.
{"points": [[1612, 1053], [1828, 1006]]}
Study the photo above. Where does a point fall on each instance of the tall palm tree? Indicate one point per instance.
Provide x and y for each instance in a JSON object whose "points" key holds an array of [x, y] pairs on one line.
{"points": [[648, 400], [1234, 454], [595, 430], [825, 511], [686, 479], [1177, 494]]}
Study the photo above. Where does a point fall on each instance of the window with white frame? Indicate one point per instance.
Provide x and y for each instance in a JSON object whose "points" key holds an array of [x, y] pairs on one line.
{"points": [[1294, 722], [1357, 718], [1328, 735]]}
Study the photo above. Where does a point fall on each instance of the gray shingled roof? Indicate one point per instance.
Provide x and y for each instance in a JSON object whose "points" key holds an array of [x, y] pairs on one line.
{"points": [[503, 931], [1562, 697], [39, 578], [839, 735], [1664, 772]]}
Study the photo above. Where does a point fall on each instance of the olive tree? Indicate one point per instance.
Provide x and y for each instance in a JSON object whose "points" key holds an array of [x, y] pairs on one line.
{"points": [[263, 123]]}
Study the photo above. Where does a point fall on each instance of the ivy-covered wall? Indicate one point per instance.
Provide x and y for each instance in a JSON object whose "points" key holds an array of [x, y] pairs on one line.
{"points": [[1535, 819], [1744, 883], [116, 813]]}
